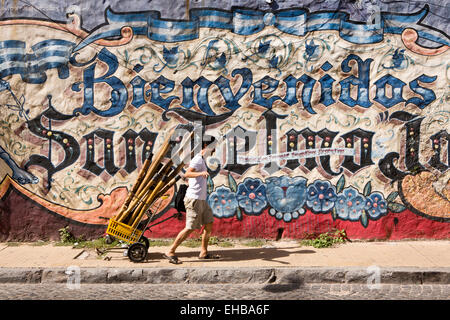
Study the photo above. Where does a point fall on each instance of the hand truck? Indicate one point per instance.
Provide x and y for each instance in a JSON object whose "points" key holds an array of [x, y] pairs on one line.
{"points": [[138, 244]]}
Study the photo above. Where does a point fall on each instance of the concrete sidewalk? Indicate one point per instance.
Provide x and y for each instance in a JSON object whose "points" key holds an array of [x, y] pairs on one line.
{"points": [[279, 261]]}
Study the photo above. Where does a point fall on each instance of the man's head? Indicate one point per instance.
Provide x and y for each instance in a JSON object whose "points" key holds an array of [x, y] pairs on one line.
{"points": [[208, 145]]}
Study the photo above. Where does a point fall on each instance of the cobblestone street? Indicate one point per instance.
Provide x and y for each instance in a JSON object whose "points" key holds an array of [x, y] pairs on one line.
{"points": [[223, 292]]}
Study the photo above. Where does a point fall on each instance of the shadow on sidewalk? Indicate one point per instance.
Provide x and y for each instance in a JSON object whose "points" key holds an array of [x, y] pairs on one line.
{"points": [[227, 255]]}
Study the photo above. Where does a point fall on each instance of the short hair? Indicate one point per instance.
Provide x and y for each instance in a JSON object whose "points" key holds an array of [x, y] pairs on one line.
{"points": [[208, 141]]}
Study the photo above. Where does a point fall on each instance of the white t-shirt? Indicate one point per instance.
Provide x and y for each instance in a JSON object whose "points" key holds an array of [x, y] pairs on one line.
{"points": [[197, 186]]}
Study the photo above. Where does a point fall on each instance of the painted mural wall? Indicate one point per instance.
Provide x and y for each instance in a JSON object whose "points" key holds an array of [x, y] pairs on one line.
{"points": [[331, 114]]}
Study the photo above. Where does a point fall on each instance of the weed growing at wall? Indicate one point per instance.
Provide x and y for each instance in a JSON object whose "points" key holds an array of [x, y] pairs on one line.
{"points": [[325, 240], [65, 236], [68, 239]]}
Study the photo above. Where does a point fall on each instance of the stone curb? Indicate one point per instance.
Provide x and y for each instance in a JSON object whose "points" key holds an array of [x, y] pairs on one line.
{"points": [[343, 275]]}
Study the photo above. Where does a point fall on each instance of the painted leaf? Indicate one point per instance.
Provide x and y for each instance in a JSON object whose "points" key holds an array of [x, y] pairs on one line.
{"points": [[396, 207], [232, 183], [340, 184], [209, 185], [367, 189], [392, 196], [333, 213], [364, 219], [239, 214], [290, 47]]}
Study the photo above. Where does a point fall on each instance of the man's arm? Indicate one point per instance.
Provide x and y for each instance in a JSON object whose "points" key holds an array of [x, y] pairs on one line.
{"points": [[191, 173]]}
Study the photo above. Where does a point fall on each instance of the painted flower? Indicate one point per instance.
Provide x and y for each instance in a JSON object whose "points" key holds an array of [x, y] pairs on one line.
{"points": [[310, 49], [263, 47], [222, 60], [4, 85], [320, 196], [397, 58], [286, 194], [350, 204], [170, 55], [273, 62], [251, 196], [376, 205], [223, 202]]}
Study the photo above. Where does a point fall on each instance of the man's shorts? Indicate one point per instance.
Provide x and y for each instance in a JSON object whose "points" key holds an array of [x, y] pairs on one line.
{"points": [[198, 213]]}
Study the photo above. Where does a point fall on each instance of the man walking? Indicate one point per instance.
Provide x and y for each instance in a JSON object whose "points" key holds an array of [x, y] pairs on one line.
{"points": [[198, 211]]}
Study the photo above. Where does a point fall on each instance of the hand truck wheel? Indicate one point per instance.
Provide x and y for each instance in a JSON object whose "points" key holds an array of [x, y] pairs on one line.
{"points": [[137, 252]]}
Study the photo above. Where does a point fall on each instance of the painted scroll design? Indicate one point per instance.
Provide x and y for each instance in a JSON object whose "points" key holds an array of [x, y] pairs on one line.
{"points": [[296, 21]]}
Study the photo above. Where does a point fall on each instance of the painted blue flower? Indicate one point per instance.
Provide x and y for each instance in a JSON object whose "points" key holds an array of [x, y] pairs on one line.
{"points": [[397, 58], [286, 195], [170, 55], [223, 202], [320, 196], [274, 62], [251, 196], [376, 205], [350, 204], [222, 60], [263, 47], [310, 49], [4, 85]]}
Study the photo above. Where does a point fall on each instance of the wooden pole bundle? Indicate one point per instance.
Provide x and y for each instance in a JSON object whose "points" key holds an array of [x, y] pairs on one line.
{"points": [[136, 185], [154, 178], [160, 189], [146, 174]]}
